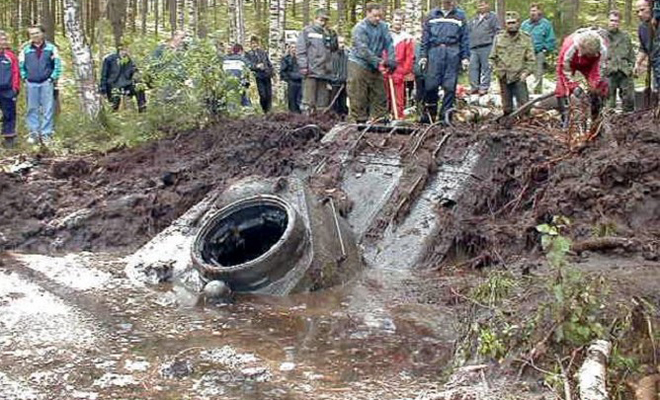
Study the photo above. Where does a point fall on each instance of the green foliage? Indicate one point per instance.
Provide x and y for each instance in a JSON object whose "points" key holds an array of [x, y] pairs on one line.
{"points": [[576, 299], [490, 344], [604, 229], [554, 243], [496, 288]]}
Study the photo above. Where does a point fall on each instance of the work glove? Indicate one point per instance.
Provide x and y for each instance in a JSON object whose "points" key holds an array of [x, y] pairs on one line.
{"points": [[578, 93], [390, 65], [602, 89], [422, 63], [465, 63]]}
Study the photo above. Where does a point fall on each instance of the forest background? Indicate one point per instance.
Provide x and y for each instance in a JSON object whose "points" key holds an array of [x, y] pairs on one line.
{"points": [[85, 31]]}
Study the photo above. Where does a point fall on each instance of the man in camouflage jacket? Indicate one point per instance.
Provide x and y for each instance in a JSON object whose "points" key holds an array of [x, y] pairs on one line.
{"points": [[620, 64], [512, 59]]}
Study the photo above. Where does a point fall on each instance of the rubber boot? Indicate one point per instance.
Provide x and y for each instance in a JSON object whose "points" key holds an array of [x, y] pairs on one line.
{"points": [[562, 102], [596, 106], [10, 142]]}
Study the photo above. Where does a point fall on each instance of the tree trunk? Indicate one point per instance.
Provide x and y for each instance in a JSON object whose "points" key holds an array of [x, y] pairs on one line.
{"points": [[192, 16], [414, 17], [627, 13], [341, 16], [156, 16], [233, 29], [240, 21], [48, 20], [501, 10], [181, 14], [202, 28], [117, 17], [305, 12], [172, 10], [276, 35], [145, 11], [82, 61]]}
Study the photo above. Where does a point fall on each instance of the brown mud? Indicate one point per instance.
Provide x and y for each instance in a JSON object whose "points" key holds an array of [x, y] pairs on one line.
{"points": [[118, 201]]}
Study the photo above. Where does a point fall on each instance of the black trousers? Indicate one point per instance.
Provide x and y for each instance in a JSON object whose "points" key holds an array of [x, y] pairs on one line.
{"points": [[115, 94], [294, 96], [340, 106], [8, 106], [265, 88]]}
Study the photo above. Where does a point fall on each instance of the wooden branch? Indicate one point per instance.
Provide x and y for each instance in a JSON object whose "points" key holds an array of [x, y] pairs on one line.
{"points": [[603, 243], [592, 376]]}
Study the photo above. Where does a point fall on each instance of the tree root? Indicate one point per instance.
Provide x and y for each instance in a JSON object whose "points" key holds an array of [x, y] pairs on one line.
{"points": [[604, 243]]}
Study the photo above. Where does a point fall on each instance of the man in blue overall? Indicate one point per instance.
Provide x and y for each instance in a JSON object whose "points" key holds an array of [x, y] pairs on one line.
{"points": [[445, 47]]}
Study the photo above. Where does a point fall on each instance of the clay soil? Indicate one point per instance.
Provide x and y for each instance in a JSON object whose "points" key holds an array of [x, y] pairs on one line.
{"points": [[607, 188], [118, 201]]}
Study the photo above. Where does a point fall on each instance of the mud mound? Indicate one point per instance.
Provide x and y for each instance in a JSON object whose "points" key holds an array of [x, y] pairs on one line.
{"points": [[120, 200], [607, 190]]}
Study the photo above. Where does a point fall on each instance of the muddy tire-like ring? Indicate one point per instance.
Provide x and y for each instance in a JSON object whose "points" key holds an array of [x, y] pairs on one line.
{"points": [[250, 243]]}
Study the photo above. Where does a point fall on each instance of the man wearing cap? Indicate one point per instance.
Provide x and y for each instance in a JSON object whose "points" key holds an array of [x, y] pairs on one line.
{"points": [[585, 52], [483, 28], [445, 47], [543, 37], [372, 51], [512, 59], [315, 46], [620, 63]]}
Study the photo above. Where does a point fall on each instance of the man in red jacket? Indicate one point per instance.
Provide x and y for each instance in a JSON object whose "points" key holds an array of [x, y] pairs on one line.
{"points": [[404, 49], [10, 83], [584, 51]]}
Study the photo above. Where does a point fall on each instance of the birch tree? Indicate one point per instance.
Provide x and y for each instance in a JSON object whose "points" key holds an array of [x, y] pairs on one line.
{"points": [[414, 17], [276, 38], [240, 21], [191, 6], [233, 29], [82, 60]]}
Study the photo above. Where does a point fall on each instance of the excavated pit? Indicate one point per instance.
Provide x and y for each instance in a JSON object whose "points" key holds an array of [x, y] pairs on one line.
{"points": [[482, 194]]}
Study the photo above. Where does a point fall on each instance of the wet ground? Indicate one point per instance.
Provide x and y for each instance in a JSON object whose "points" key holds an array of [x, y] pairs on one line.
{"points": [[73, 326]]}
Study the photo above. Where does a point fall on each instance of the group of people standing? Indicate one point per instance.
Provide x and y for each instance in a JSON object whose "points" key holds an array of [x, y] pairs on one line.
{"points": [[38, 65], [383, 62]]}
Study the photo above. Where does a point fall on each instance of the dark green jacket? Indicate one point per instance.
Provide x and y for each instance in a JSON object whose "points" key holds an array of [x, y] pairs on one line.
{"points": [[511, 56], [542, 33], [620, 54]]}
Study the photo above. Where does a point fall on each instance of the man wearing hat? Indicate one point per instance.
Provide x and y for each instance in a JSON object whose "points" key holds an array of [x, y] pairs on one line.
{"points": [[315, 46], [512, 58]]}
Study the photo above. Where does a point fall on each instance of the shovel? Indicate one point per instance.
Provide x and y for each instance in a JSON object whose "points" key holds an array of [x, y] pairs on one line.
{"points": [[393, 97]]}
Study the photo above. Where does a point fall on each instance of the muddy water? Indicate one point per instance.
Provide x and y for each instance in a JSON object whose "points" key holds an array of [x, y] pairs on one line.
{"points": [[387, 332]]}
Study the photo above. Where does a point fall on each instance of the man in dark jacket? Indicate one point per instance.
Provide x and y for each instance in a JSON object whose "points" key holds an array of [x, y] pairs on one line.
{"points": [[649, 48], [445, 48], [483, 28], [620, 63], [371, 39], [315, 46], [290, 73], [118, 79], [263, 72], [10, 84], [340, 68]]}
